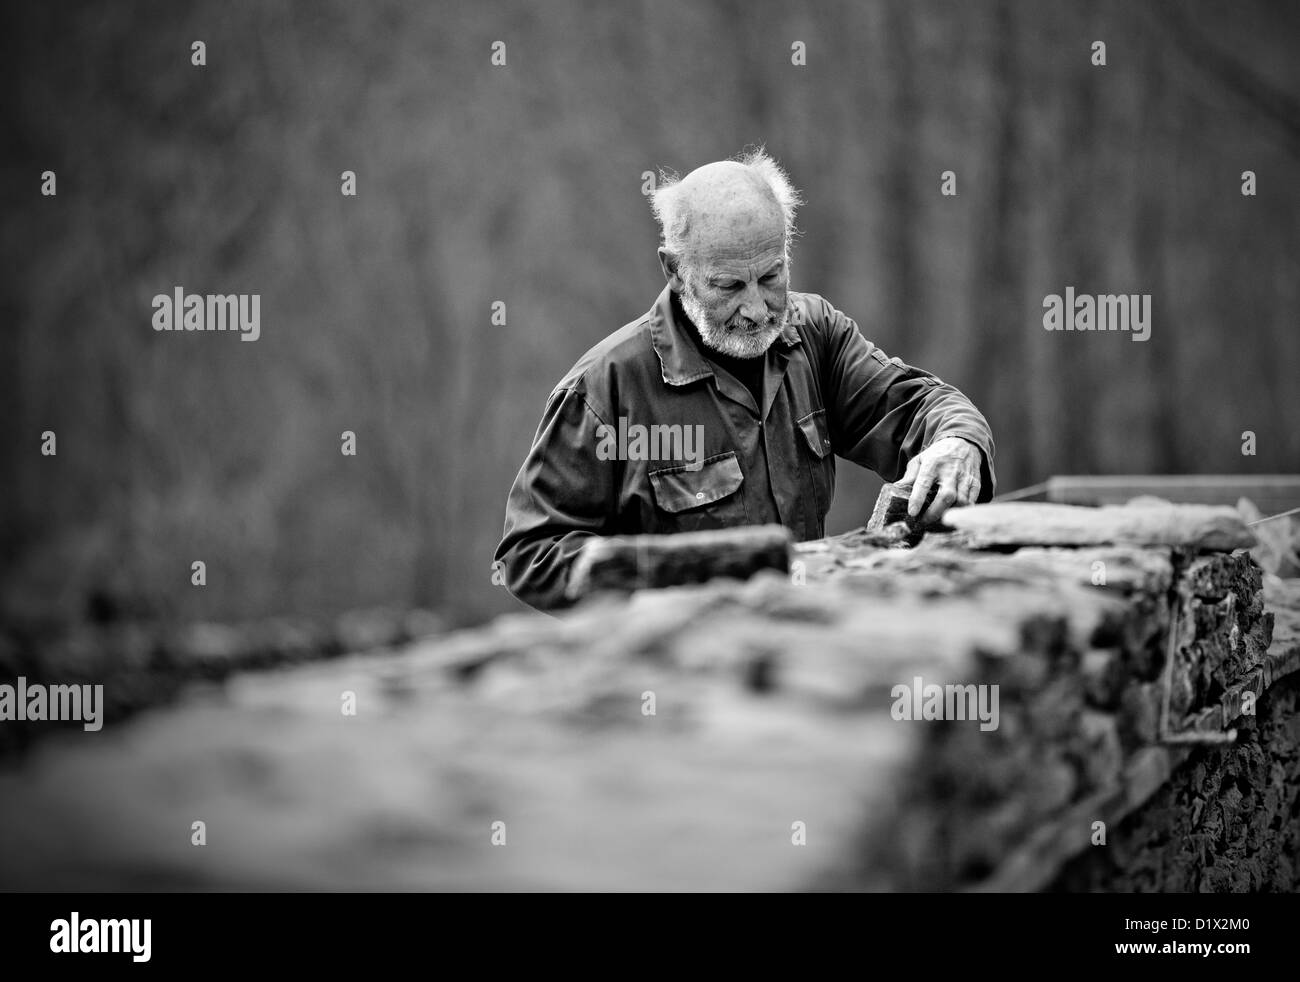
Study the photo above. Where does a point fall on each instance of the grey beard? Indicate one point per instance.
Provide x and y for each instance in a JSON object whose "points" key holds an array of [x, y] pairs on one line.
{"points": [[717, 337]]}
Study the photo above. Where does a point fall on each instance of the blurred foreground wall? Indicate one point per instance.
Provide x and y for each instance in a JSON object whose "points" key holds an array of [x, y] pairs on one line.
{"points": [[1126, 679]]}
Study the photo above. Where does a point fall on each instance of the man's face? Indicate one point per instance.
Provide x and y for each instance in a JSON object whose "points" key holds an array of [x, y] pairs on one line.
{"points": [[739, 299]]}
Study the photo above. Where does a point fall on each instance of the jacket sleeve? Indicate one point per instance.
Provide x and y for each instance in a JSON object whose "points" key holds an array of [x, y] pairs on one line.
{"points": [[884, 412], [563, 496]]}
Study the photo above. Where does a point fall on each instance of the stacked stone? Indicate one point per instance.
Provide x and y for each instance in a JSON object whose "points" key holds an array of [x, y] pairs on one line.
{"points": [[1083, 719], [724, 736]]}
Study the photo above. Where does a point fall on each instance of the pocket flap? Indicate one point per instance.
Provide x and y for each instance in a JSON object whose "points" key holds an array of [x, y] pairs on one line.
{"points": [[816, 432], [679, 488]]}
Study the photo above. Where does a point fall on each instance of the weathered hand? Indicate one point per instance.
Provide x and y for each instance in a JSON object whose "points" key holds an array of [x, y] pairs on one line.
{"points": [[953, 464]]}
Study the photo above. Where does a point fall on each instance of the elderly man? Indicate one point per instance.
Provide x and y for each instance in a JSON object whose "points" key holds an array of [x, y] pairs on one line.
{"points": [[727, 402]]}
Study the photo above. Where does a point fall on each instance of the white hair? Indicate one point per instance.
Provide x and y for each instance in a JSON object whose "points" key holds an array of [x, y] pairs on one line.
{"points": [[673, 216]]}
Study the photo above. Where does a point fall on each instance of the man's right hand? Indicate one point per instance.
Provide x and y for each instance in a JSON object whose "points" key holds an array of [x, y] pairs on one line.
{"points": [[951, 463]]}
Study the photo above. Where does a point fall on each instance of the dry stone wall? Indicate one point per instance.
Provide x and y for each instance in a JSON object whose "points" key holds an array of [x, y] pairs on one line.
{"points": [[743, 735]]}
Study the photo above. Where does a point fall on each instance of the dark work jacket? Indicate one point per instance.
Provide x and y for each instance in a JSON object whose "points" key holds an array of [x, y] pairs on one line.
{"points": [[827, 392]]}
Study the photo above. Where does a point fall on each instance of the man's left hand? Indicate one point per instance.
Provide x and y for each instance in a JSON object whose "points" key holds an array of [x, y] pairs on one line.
{"points": [[954, 465]]}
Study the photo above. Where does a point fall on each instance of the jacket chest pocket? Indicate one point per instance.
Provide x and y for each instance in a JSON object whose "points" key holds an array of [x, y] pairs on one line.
{"points": [[819, 462], [707, 497]]}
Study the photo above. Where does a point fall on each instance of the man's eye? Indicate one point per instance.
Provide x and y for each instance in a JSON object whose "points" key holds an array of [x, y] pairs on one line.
{"points": [[733, 285], [771, 278]]}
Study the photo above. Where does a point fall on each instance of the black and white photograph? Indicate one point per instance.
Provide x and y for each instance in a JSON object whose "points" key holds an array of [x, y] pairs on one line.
{"points": [[650, 447]]}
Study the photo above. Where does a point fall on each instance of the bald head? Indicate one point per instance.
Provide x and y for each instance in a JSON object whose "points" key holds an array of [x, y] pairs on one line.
{"points": [[727, 209]]}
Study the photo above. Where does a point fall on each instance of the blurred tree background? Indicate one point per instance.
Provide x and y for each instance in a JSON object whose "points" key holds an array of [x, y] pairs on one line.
{"points": [[522, 183]]}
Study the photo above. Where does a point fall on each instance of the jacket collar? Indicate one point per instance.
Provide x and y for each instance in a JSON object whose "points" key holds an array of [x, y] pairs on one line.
{"points": [[681, 361]]}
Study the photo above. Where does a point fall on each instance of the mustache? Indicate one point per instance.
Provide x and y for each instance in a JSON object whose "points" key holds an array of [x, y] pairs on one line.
{"points": [[746, 324]]}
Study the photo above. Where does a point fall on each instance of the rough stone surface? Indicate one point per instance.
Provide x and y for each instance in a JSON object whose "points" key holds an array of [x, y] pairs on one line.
{"points": [[774, 717], [1225, 821], [1195, 527], [634, 562], [891, 508]]}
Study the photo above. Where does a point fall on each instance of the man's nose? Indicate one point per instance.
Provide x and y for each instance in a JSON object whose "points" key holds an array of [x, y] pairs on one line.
{"points": [[752, 304]]}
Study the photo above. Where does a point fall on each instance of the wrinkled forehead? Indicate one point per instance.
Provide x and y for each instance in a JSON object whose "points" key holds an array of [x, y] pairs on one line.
{"points": [[740, 248]]}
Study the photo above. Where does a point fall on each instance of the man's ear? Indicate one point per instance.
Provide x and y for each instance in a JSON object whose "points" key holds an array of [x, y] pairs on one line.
{"points": [[671, 265]]}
